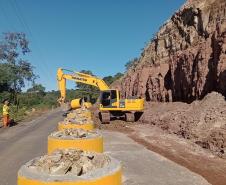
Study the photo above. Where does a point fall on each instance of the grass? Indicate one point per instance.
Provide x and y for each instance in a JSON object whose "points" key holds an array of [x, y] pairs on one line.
{"points": [[20, 114]]}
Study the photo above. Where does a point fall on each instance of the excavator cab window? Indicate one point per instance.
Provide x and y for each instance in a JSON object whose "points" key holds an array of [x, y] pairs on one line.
{"points": [[105, 100], [113, 94], [108, 97]]}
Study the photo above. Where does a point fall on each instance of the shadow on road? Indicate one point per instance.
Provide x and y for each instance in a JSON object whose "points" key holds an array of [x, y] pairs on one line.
{"points": [[13, 123]]}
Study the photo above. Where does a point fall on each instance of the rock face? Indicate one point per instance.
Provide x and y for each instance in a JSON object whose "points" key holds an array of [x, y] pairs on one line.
{"points": [[186, 59]]}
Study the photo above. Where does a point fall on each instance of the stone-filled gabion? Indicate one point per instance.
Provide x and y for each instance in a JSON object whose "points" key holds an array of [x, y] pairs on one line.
{"points": [[82, 112], [79, 118], [71, 167], [75, 138], [85, 124]]}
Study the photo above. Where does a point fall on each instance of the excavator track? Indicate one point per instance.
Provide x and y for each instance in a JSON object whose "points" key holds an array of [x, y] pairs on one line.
{"points": [[105, 117], [129, 117]]}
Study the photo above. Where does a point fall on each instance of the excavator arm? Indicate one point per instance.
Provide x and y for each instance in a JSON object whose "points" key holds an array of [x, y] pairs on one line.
{"points": [[77, 77]]}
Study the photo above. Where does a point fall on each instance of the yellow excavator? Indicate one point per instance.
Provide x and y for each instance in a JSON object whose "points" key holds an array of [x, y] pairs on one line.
{"points": [[110, 103]]}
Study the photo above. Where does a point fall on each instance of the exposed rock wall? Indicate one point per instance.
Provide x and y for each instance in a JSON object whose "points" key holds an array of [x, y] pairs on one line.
{"points": [[186, 59]]}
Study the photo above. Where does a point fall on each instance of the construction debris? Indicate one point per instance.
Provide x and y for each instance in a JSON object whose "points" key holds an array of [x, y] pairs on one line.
{"points": [[74, 134], [69, 162], [81, 112], [77, 120], [78, 116]]}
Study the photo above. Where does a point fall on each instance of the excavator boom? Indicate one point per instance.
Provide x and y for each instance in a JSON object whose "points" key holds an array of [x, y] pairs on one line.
{"points": [[77, 77]]}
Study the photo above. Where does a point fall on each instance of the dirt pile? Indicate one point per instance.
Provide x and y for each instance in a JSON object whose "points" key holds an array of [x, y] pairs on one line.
{"points": [[69, 162], [74, 134], [203, 122], [185, 60]]}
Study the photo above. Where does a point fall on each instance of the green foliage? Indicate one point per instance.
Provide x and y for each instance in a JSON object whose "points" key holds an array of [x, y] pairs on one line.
{"points": [[12, 46], [13, 76], [86, 91], [14, 70], [118, 75], [86, 87], [26, 101], [131, 63], [37, 88], [110, 79]]}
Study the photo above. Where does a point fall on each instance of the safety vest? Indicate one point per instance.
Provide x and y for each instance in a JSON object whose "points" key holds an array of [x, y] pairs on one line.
{"points": [[5, 110]]}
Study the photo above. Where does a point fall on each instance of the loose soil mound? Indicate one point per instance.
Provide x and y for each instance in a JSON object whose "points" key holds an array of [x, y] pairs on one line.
{"points": [[203, 122]]}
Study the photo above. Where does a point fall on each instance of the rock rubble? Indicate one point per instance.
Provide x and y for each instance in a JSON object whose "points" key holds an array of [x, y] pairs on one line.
{"points": [[77, 120], [74, 134], [69, 162]]}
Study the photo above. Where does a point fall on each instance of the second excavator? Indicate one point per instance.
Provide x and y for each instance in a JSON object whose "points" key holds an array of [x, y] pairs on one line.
{"points": [[110, 103]]}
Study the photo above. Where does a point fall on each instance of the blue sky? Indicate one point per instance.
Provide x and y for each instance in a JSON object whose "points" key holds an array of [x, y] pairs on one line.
{"points": [[96, 35]]}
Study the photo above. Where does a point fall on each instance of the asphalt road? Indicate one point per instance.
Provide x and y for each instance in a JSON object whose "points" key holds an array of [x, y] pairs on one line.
{"points": [[25, 141]]}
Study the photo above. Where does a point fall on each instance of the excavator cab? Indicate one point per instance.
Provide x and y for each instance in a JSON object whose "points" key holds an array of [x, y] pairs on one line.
{"points": [[109, 98]]}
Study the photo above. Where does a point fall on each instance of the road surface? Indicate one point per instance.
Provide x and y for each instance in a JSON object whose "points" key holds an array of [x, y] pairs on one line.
{"points": [[25, 141]]}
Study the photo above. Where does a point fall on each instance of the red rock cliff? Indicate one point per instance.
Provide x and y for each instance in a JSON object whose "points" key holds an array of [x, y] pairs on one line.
{"points": [[186, 59]]}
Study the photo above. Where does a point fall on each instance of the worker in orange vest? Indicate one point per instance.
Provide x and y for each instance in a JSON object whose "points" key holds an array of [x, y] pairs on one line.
{"points": [[5, 113]]}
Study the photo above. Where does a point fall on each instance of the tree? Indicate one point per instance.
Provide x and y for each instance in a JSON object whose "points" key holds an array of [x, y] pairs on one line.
{"points": [[118, 75], [110, 79], [131, 63], [37, 88], [12, 45], [88, 91], [6, 77], [15, 70], [83, 86]]}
